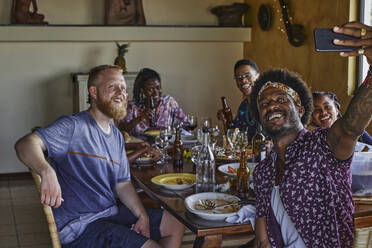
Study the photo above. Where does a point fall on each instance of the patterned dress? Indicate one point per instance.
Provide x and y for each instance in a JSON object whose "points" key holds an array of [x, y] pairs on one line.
{"points": [[315, 190], [167, 112]]}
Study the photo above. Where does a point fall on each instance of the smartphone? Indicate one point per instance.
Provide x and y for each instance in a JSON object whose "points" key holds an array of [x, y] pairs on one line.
{"points": [[324, 37]]}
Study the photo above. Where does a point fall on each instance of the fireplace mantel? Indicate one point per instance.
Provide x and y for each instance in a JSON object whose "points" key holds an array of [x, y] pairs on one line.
{"points": [[89, 33]]}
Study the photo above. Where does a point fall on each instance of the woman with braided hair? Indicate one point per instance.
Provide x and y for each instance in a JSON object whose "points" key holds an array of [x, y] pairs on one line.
{"points": [[167, 111]]}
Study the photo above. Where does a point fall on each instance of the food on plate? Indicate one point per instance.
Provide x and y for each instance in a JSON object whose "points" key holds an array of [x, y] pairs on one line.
{"points": [[218, 210], [154, 132], [231, 169], [177, 181], [147, 155]]}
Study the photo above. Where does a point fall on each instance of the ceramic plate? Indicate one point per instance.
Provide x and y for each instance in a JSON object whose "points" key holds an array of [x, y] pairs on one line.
{"points": [[155, 132], [189, 137], [175, 181], [143, 161], [186, 139], [227, 158], [192, 205], [224, 168]]}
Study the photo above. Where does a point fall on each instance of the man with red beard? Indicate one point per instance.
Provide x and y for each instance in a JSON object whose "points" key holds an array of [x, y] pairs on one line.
{"points": [[88, 169]]}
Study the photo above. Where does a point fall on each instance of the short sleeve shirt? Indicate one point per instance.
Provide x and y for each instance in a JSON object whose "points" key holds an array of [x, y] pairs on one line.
{"points": [[244, 121], [88, 163], [315, 191]]}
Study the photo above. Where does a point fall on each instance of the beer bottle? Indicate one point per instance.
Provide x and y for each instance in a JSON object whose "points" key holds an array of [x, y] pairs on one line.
{"points": [[150, 105], [258, 140], [177, 151], [228, 115], [243, 175]]}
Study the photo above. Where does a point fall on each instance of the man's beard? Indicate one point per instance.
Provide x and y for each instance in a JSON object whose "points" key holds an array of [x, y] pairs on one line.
{"points": [[289, 126], [112, 109]]}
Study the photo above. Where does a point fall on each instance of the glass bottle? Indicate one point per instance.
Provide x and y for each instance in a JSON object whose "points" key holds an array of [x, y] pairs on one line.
{"points": [[205, 167], [243, 176], [263, 151], [150, 104], [228, 114], [258, 140], [178, 151]]}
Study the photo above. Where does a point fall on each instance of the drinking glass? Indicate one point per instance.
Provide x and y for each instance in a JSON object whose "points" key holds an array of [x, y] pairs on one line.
{"points": [[232, 137], [165, 135], [193, 122], [160, 145], [206, 122], [215, 131]]}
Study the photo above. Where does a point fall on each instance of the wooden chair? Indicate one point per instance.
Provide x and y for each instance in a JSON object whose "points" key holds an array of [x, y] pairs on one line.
{"points": [[49, 216]]}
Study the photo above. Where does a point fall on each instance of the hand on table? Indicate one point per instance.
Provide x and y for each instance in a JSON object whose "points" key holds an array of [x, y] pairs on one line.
{"points": [[50, 189], [155, 154], [361, 31]]}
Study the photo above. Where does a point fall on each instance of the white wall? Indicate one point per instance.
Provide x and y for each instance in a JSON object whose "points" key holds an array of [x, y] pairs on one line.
{"points": [[35, 80]]}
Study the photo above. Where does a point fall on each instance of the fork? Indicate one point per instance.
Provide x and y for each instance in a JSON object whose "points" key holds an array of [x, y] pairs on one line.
{"points": [[209, 204], [242, 202]]}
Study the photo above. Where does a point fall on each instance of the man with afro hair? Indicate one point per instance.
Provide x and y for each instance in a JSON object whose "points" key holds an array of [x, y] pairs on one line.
{"points": [[303, 187]]}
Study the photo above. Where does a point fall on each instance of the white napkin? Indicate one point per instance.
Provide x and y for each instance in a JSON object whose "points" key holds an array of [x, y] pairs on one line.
{"points": [[245, 214], [360, 146]]}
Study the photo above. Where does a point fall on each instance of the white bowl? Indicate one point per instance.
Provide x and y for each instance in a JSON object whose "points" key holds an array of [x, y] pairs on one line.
{"points": [[191, 200], [224, 168]]}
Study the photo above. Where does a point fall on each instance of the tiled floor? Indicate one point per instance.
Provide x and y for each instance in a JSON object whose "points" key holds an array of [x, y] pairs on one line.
{"points": [[22, 221], [23, 224]]}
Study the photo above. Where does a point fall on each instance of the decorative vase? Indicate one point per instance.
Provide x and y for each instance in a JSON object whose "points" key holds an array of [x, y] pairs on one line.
{"points": [[230, 15]]}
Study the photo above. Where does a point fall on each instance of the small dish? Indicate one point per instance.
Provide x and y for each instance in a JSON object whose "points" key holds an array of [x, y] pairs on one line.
{"points": [[225, 168], [143, 161], [227, 158], [175, 181], [192, 201], [152, 133]]}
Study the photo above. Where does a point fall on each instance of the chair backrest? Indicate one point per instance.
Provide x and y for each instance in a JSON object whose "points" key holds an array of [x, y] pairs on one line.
{"points": [[49, 216]]}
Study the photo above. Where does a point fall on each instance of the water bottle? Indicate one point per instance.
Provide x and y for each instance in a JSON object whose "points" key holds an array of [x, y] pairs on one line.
{"points": [[205, 166]]}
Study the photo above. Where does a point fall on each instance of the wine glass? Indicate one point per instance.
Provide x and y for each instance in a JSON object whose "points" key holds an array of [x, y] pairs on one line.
{"points": [[160, 145], [232, 137], [193, 122], [215, 131], [165, 135], [206, 123]]}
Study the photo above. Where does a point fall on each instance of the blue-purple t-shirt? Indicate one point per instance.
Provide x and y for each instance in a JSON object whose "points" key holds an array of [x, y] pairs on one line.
{"points": [[88, 163]]}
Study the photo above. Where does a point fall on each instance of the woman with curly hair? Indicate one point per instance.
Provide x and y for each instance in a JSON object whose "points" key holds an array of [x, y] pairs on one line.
{"points": [[164, 112]]}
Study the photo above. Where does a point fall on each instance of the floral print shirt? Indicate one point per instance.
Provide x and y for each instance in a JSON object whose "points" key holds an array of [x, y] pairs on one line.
{"points": [[168, 112], [315, 190]]}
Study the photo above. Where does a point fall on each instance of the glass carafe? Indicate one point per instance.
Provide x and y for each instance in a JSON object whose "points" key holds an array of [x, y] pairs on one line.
{"points": [[205, 166]]}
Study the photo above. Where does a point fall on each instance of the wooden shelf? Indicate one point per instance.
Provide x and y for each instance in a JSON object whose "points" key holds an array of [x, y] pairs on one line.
{"points": [[84, 33]]}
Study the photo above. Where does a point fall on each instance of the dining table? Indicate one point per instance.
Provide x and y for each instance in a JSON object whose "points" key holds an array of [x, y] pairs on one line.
{"points": [[208, 233]]}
